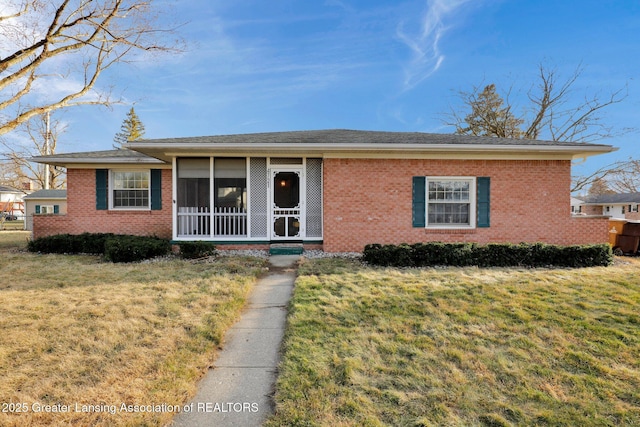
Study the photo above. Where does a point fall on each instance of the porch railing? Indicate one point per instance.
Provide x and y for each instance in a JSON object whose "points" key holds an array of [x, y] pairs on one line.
{"points": [[227, 222]]}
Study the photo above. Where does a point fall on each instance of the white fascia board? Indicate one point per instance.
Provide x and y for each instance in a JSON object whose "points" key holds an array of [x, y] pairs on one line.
{"points": [[105, 162], [167, 151]]}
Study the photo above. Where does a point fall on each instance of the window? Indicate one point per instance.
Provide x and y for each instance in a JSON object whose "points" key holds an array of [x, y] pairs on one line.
{"points": [[46, 209], [451, 202], [130, 189]]}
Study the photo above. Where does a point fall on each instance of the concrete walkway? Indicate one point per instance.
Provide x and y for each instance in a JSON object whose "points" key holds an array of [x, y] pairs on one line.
{"points": [[237, 390]]}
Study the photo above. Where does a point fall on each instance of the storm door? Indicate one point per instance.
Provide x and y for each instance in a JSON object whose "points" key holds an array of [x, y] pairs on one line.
{"points": [[286, 207]]}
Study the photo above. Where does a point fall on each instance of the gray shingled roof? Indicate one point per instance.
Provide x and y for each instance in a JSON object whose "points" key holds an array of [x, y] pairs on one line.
{"points": [[344, 136], [612, 199], [47, 194], [318, 142], [5, 189], [107, 156]]}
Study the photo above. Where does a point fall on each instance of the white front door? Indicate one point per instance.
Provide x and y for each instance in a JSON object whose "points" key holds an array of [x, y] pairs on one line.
{"points": [[287, 204]]}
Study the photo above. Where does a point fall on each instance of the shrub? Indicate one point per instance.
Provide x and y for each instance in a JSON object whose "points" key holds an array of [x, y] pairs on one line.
{"points": [[193, 250], [86, 243], [134, 248], [116, 248], [491, 255]]}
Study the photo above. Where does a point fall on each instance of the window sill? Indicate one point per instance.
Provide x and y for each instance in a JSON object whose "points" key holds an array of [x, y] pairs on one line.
{"points": [[129, 210], [449, 230]]}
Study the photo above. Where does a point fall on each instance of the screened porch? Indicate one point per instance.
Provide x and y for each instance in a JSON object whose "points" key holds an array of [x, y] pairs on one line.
{"points": [[238, 198], [214, 208]]}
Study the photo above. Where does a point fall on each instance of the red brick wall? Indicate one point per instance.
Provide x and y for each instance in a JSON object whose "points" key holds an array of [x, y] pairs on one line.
{"points": [[82, 215], [592, 209], [634, 216], [370, 200]]}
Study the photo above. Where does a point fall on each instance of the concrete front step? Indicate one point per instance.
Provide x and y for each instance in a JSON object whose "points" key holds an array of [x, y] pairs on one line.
{"points": [[286, 249]]}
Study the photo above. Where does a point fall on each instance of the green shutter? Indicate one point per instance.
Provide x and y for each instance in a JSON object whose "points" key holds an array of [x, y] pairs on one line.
{"points": [[37, 209], [419, 206], [56, 209], [156, 189], [101, 189], [484, 201]]}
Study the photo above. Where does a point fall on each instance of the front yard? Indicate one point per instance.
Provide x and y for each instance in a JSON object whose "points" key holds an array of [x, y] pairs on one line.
{"points": [[81, 337], [364, 346], [461, 347]]}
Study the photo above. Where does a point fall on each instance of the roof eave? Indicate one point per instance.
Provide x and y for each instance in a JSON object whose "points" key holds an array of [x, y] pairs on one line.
{"points": [[65, 161], [165, 151]]}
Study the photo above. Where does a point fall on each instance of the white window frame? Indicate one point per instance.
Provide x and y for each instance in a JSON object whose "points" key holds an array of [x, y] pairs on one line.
{"points": [[46, 209], [112, 189], [473, 202]]}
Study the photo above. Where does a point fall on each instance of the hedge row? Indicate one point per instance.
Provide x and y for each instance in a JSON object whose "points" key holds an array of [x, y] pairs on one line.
{"points": [[114, 247], [491, 255], [194, 250]]}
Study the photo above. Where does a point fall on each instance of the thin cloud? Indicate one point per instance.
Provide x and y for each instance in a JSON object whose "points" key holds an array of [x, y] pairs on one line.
{"points": [[424, 44]]}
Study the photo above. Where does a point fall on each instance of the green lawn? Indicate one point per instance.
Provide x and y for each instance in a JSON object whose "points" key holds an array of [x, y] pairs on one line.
{"points": [[461, 347]]}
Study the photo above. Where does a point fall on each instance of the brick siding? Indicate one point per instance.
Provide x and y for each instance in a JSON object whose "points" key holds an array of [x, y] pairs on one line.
{"points": [[82, 215], [633, 216], [370, 200]]}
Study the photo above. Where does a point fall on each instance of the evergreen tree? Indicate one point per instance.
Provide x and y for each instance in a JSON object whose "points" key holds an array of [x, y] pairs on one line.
{"points": [[489, 116], [132, 129]]}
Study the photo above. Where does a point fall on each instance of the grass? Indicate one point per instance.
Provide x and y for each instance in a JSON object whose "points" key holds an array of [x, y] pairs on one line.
{"points": [[461, 347], [12, 225], [76, 330], [16, 240]]}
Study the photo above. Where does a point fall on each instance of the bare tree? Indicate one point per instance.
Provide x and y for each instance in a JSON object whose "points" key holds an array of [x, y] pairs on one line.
{"points": [[552, 116], [602, 175], [549, 114], [627, 179], [43, 140], [11, 175], [43, 42]]}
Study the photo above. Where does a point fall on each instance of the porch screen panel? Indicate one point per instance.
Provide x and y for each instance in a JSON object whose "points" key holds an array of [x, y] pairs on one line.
{"points": [[193, 196], [258, 197], [230, 192], [314, 198]]}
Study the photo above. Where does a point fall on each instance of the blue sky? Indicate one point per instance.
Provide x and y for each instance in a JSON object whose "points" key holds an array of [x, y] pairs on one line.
{"points": [[258, 66]]}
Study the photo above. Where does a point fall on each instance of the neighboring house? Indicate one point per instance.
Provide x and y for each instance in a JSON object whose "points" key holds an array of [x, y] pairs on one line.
{"points": [[576, 206], [44, 202], [619, 206], [11, 202], [333, 189]]}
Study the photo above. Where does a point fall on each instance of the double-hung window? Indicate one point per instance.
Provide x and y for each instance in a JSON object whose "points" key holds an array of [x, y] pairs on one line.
{"points": [[451, 202], [130, 190]]}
